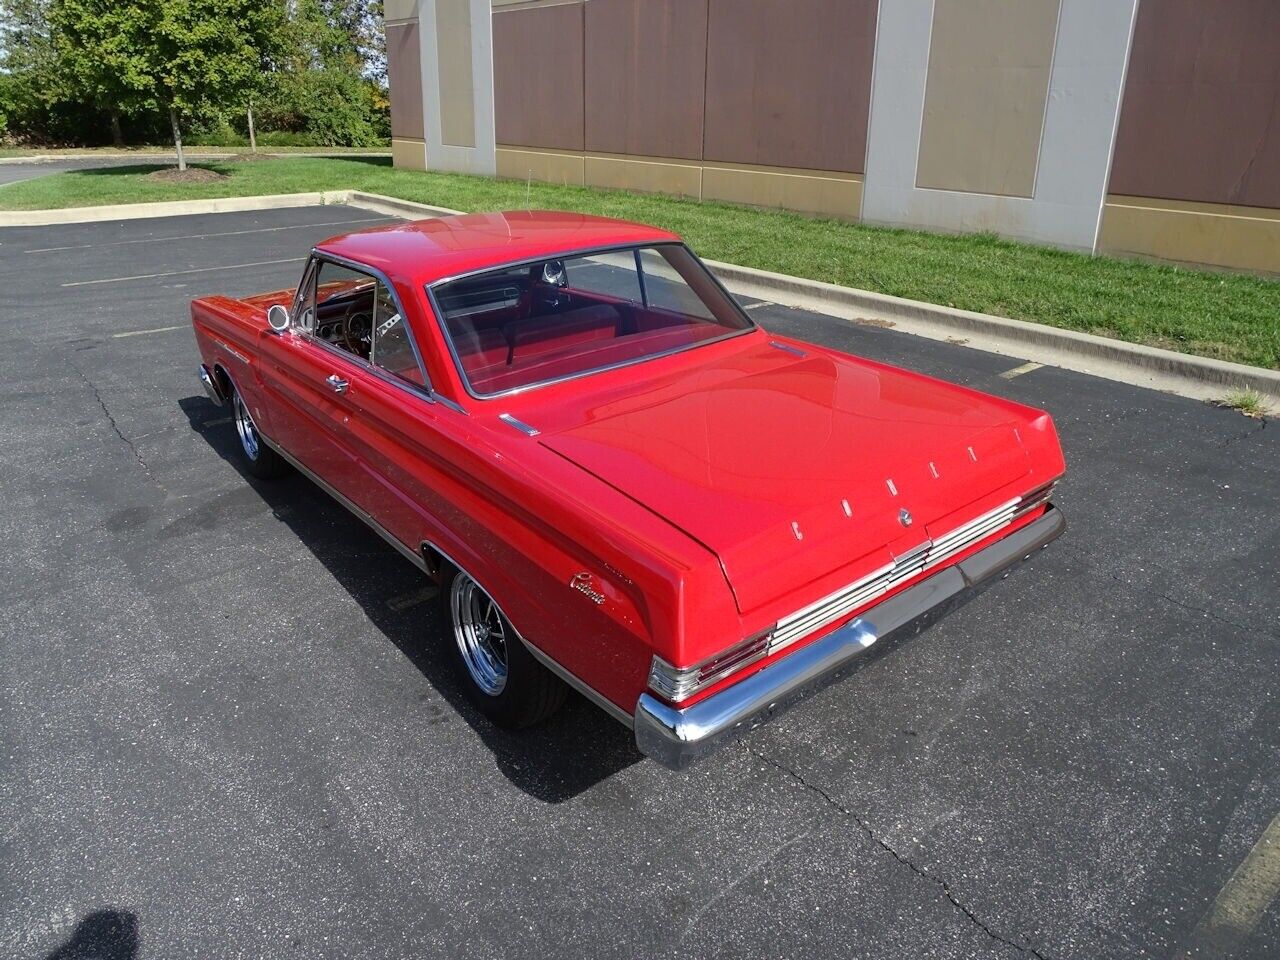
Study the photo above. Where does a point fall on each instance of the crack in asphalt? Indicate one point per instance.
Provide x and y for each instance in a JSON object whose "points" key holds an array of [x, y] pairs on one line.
{"points": [[940, 883], [1262, 425], [1144, 592], [115, 428]]}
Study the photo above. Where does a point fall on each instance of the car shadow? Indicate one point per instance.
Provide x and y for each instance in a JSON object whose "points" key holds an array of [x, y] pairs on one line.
{"points": [[574, 750], [102, 935]]}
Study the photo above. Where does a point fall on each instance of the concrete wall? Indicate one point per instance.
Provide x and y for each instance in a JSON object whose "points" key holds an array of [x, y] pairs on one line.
{"points": [[1094, 125]]}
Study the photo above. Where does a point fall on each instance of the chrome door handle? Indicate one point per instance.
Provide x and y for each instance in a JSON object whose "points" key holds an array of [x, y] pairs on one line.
{"points": [[337, 383]]}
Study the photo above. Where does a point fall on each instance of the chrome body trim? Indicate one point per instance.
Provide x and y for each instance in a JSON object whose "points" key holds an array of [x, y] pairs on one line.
{"points": [[520, 425], [211, 387], [926, 556], [590, 251], [676, 737]]}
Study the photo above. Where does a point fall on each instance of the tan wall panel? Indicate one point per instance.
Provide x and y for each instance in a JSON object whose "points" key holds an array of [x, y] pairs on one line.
{"points": [[393, 10], [1235, 237], [409, 154], [645, 77], [1201, 115], [404, 78], [457, 97], [789, 84], [810, 191], [537, 76], [644, 174], [988, 83], [545, 166]]}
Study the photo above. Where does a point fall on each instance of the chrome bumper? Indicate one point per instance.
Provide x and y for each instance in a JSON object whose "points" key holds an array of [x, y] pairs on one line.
{"points": [[676, 738], [211, 388]]}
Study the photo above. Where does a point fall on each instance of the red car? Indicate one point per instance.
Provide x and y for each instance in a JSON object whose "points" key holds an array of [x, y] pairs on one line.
{"points": [[618, 480]]}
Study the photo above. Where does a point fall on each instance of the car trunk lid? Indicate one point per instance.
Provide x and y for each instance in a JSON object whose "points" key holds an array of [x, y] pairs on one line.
{"points": [[793, 467]]}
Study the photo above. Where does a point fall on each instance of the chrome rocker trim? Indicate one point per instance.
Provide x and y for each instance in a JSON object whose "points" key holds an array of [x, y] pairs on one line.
{"points": [[676, 738]]}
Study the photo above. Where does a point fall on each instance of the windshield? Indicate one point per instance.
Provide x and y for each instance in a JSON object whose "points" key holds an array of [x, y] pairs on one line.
{"points": [[536, 322]]}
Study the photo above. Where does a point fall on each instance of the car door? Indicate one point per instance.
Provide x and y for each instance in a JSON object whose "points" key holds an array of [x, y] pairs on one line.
{"points": [[305, 378]]}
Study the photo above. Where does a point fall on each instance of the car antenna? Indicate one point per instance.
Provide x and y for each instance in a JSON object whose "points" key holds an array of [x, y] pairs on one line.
{"points": [[528, 187]]}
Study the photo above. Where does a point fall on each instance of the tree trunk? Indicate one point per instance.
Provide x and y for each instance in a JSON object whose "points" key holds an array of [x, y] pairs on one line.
{"points": [[177, 137], [253, 142], [117, 138]]}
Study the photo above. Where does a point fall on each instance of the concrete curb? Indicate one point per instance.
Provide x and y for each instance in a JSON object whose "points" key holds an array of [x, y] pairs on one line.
{"points": [[166, 208], [1201, 378], [145, 157]]}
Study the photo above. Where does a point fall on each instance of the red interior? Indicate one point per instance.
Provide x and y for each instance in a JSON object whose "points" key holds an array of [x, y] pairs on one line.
{"points": [[518, 344]]}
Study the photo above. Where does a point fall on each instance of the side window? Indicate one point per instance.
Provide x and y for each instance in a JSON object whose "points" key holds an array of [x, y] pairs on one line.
{"points": [[392, 349], [667, 289]]}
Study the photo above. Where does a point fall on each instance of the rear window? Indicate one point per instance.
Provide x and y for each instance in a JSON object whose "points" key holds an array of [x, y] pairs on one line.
{"points": [[564, 317]]}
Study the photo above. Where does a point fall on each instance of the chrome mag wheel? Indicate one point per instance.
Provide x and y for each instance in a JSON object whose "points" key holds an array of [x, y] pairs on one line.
{"points": [[245, 427], [481, 634]]}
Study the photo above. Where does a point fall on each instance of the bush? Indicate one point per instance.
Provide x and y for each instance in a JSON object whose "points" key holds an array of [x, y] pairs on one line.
{"points": [[286, 138]]}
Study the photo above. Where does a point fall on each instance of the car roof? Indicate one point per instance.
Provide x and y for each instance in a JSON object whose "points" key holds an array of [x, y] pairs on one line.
{"points": [[424, 251]]}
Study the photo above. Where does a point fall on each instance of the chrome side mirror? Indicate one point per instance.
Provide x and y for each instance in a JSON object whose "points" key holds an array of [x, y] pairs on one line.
{"points": [[278, 317]]}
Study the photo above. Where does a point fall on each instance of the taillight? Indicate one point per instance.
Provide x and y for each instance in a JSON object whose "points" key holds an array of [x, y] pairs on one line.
{"points": [[1036, 498], [679, 684]]}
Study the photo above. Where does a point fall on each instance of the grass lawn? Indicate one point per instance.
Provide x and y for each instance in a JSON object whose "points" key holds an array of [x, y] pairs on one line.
{"points": [[1230, 317]]}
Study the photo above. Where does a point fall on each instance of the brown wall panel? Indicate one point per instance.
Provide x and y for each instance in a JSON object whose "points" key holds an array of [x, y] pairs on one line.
{"points": [[645, 77], [537, 76], [404, 77], [1201, 114], [789, 82]]}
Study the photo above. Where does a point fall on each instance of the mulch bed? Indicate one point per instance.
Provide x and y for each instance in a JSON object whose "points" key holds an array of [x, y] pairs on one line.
{"points": [[189, 175]]}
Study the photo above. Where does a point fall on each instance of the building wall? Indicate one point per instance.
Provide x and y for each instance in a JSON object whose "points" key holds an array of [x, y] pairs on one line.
{"points": [[1148, 129], [1196, 175]]}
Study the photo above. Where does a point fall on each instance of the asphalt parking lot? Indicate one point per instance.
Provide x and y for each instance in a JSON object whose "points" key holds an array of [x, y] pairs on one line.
{"points": [[228, 728]]}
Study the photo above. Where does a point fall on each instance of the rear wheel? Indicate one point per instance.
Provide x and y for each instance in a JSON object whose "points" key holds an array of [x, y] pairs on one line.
{"points": [[502, 678], [259, 459]]}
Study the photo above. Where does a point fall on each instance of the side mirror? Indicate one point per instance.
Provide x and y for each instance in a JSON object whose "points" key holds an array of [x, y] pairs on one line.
{"points": [[278, 317]]}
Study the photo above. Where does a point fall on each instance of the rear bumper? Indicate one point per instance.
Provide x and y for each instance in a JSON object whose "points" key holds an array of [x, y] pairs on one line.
{"points": [[676, 738]]}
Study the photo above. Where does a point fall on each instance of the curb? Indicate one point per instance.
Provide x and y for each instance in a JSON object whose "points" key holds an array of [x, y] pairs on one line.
{"points": [[144, 157], [1200, 378], [166, 208]]}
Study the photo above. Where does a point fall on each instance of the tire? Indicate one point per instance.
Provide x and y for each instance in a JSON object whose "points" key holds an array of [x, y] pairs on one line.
{"points": [[501, 677], [258, 458]]}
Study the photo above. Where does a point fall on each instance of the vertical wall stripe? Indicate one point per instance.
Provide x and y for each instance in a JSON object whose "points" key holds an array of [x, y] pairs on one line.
{"points": [[985, 95], [455, 73]]}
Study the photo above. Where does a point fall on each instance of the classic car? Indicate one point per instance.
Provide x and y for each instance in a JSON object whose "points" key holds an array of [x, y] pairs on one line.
{"points": [[619, 481]]}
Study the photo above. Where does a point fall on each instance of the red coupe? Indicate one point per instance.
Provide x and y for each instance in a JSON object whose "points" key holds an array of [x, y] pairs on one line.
{"points": [[619, 481]]}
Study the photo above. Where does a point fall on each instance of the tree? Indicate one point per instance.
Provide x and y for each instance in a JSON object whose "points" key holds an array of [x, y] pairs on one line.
{"points": [[178, 56]]}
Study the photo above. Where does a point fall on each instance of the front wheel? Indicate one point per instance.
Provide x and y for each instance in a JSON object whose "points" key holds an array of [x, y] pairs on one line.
{"points": [[259, 459], [502, 678]]}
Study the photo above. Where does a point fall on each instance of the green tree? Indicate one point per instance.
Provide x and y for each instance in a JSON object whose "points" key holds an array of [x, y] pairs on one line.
{"points": [[179, 56]]}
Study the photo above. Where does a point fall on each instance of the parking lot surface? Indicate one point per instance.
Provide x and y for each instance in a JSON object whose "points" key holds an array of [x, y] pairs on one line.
{"points": [[228, 727]]}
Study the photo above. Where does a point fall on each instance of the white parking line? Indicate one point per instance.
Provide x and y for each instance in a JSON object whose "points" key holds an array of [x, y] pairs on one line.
{"points": [[139, 333], [202, 236], [1242, 901], [1019, 371], [757, 306], [179, 273]]}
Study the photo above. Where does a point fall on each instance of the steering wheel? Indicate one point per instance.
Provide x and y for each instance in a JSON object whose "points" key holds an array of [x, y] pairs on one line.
{"points": [[357, 332]]}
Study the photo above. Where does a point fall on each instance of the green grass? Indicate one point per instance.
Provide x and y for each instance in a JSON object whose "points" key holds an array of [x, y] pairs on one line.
{"points": [[1231, 317]]}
